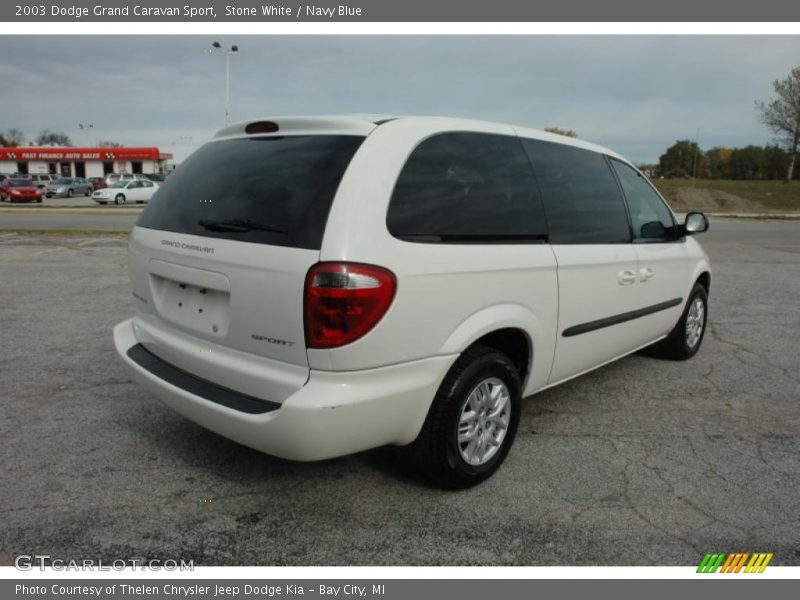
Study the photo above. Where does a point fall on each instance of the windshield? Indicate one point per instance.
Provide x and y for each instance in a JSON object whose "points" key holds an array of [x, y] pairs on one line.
{"points": [[63, 181], [280, 188], [19, 182], [119, 184]]}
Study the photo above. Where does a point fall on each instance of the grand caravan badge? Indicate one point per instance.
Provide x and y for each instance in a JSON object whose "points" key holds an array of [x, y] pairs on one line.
{"points": [[185, 246]]}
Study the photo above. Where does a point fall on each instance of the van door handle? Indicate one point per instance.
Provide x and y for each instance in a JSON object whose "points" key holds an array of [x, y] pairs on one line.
{"points": [[645, 274], [626, 277]]}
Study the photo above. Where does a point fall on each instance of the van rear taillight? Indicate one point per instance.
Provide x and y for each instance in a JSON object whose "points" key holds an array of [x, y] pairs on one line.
{"points": [[343, 301]]}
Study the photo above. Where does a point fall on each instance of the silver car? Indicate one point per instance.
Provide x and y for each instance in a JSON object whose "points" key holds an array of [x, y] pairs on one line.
{"points": [[40, 180], [67, 187]]}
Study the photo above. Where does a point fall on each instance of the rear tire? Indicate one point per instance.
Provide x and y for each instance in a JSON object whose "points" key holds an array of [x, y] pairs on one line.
{"points": [[685, 339], [472, 422], [88, 192]]}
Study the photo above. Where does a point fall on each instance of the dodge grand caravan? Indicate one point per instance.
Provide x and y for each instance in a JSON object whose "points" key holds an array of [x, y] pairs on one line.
{"points": [[314, 287]]}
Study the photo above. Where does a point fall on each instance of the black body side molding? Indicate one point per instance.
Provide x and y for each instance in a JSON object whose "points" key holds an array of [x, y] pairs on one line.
{"points": [[620, 318]]}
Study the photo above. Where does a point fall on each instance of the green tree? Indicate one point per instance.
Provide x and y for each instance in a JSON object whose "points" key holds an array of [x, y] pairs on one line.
{"points": [[718, 162], [776, 162], [748, 163], [781, 114], [683, 159], [47, 137]]}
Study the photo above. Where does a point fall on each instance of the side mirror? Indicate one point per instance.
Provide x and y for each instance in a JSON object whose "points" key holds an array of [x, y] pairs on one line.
{"points": [[696, 222]]}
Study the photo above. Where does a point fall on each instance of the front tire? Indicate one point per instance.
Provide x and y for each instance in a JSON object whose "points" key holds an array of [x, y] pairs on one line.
{"points": [[120, 199], [70, 193], [685, 339], [472, 422]]}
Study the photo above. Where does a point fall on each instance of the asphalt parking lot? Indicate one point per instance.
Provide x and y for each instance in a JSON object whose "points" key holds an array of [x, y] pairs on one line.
{"points": [[643, 462]]}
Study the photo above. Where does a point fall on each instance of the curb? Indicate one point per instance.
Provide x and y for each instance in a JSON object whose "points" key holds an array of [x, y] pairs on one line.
{"points": [[89, 210]]}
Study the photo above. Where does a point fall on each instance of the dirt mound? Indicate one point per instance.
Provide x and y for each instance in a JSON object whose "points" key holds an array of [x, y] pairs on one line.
{"points": [[686, 199]]}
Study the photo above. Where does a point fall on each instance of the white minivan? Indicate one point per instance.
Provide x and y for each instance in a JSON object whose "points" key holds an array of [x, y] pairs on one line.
{"points": [[316, 286]]}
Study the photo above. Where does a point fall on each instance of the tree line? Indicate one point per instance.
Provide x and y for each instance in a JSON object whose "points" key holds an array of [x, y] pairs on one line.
{"points": [[685, 159], [11, 138], [780, 114]]}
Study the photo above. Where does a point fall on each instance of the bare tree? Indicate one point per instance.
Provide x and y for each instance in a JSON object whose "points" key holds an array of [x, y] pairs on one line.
{"points": [[109, 144], [559, 131], [781, 115], [14, 137], [47, 137]]}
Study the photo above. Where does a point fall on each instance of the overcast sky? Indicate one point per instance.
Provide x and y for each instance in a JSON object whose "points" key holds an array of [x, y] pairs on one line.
{"points": [[636, 95]]}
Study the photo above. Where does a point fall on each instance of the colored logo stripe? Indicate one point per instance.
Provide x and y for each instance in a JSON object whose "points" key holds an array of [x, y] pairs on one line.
{"points": [[734, 562], [758, 563], [711, 562]]}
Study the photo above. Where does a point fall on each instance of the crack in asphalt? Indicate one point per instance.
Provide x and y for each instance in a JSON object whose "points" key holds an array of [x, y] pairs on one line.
{"points": [[740, 348]]}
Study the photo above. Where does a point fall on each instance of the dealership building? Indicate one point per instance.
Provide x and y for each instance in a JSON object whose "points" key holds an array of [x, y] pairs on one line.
{"points": [[82, 162]]}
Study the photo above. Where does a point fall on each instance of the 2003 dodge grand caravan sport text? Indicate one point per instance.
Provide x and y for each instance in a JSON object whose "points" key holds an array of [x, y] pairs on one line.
{"points": [[314, 287]]}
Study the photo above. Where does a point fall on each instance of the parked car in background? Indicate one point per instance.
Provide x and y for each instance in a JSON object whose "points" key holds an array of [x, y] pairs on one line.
{"points": [[42, 179], [14, 189], [157, 177], [115, 177], [137, 190], [67, 187], [98, 183]]}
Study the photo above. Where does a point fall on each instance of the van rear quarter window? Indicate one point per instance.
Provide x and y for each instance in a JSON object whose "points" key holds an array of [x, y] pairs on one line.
{"points": [[461, 187], [282, 186], [582, 200]]}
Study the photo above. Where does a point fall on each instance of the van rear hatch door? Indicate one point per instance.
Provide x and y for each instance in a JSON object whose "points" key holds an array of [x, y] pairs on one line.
{"points": [[221, 252]]}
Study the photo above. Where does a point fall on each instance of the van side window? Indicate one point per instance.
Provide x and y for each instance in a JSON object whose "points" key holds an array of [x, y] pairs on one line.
{"points": [[650, 217], [462, 187], [581, 198]]}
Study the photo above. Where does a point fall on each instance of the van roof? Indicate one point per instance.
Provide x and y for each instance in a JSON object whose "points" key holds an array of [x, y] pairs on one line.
{"points": [[364, 124]]}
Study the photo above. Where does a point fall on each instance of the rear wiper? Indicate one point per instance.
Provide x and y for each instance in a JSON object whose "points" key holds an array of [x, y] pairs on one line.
{"points": [[238, 225]]}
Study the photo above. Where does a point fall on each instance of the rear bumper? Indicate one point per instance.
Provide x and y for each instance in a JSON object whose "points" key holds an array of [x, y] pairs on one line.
{"points": [[333, 414]]}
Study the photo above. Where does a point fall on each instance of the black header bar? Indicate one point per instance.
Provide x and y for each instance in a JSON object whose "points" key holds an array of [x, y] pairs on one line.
{"points": [[459, 11]]}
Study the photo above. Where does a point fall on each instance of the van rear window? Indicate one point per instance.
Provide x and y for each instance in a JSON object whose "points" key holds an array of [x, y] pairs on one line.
{"points": [[267, 190]]}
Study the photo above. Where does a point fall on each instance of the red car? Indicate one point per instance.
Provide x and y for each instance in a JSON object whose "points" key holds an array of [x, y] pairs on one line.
{"points": [[14, 189], [98, 183]]}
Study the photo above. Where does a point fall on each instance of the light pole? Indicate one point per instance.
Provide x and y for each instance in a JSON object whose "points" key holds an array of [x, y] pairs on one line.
{"points": [[228, 52], [85, 129]]}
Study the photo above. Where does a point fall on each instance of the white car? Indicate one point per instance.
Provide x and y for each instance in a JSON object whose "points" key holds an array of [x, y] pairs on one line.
{"points": [[112, 178], [134, 190], [353, 282]]}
